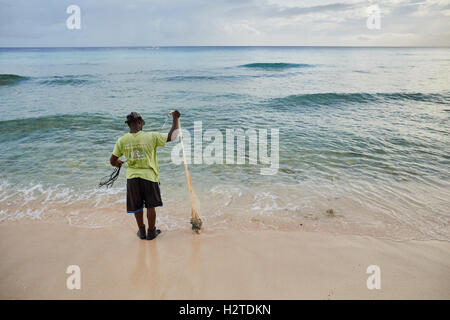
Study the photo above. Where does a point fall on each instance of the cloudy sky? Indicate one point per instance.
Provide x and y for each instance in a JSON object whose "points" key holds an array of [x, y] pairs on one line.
{"points": [[40, 23]]}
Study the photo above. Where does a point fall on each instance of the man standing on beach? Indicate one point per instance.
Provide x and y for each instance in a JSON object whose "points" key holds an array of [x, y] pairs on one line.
{"points": [[139, 149]]}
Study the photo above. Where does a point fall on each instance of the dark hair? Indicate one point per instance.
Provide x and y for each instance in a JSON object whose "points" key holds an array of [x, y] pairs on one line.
{"points": [[131, 119], [134, 117]]}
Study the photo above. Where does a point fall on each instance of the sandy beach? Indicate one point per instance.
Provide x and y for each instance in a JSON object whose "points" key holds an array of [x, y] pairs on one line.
{"points": [[309, 139], [115, 264]]}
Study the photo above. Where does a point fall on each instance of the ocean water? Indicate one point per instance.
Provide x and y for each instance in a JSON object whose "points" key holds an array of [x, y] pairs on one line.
{"points": [[363, 131]]}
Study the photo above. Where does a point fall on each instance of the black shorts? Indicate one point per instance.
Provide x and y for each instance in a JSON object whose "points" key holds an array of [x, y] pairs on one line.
{"points": [[142, 193]]}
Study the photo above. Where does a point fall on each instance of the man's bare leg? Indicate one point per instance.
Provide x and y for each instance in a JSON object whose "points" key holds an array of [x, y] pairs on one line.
{"points": [[140, 222], [151, 216], [152, 231], [139, 218]]}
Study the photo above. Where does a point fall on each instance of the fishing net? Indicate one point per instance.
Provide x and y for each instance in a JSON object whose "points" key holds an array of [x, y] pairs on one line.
{"points": [[109, 180], [196, 221]]}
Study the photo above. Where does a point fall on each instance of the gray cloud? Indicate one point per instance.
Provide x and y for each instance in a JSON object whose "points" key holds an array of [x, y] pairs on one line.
{"points": [[295, 11]]}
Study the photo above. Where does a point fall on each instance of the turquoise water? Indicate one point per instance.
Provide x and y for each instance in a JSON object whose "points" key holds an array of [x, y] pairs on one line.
{"points": [[363, 131]]}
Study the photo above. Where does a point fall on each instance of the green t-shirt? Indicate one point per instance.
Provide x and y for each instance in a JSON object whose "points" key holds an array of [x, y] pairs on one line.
{"points": [[140, 150]]}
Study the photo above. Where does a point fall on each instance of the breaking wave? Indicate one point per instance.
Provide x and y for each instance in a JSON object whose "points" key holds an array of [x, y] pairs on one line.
{"points": [[275, 65], [66, 80], [356, 98], [11, 79]]}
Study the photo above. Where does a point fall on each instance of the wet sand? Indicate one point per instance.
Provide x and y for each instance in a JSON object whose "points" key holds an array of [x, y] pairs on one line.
{"points": [[263, 264]]}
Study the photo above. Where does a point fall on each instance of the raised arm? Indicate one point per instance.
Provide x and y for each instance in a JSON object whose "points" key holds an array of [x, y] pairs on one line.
{"points": [[175, 115]]}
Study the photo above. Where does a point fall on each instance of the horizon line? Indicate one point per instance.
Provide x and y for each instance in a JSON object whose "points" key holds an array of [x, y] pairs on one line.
{"points": [[217, 46]]}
